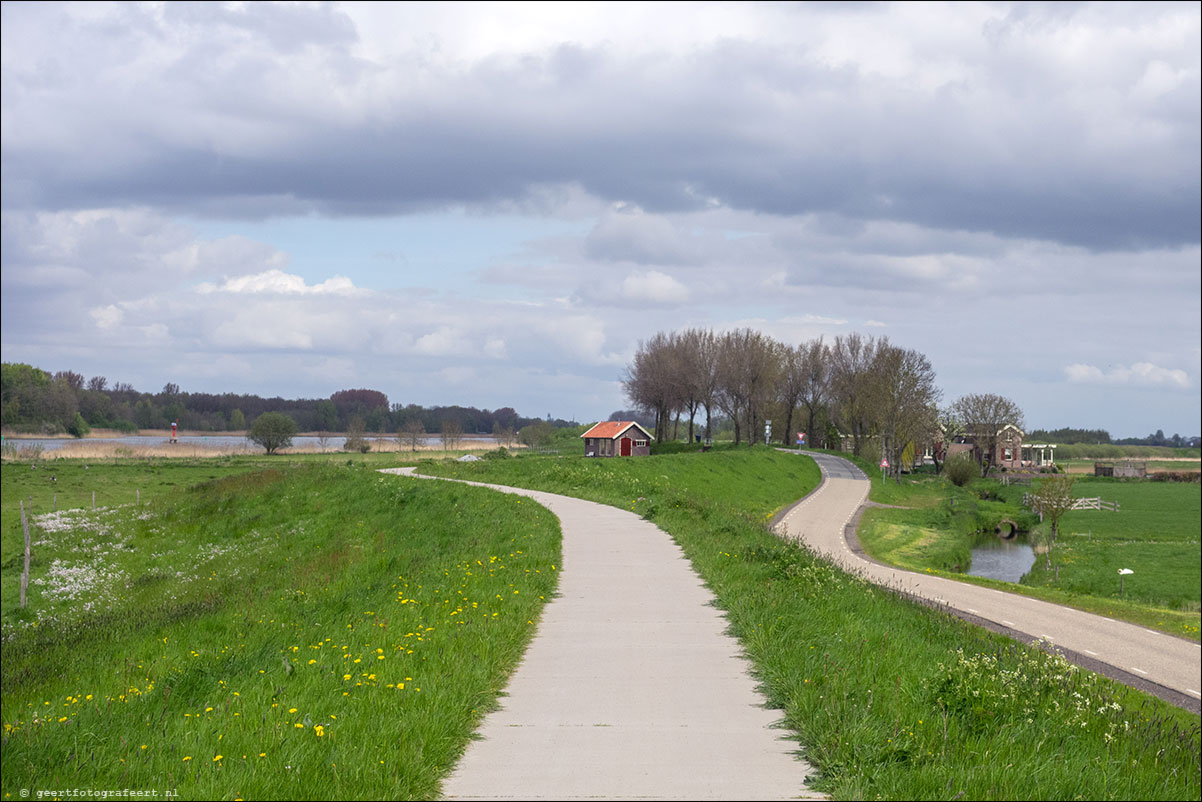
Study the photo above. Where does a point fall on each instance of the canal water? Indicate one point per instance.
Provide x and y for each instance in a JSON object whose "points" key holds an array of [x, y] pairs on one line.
{"points": [[1007, 560]]}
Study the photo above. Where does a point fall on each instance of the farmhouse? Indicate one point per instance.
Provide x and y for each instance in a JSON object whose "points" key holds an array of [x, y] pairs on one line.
{"points": [[617, 438], [1009, 450]]}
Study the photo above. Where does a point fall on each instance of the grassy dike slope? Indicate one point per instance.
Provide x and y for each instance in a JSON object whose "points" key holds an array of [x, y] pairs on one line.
{"points": [[305, 633], [890, 699]]}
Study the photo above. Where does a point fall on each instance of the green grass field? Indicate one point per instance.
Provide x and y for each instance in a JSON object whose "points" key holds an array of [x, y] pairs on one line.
{"points": [[1156, 533], [300, 633]]}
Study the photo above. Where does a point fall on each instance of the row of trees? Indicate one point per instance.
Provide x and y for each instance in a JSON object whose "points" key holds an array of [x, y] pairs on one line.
{"points": [[35, 401], [878, 397], [1069, 436]]}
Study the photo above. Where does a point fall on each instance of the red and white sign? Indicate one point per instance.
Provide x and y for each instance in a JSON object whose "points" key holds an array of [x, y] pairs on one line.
{"points": [[884, 462]]}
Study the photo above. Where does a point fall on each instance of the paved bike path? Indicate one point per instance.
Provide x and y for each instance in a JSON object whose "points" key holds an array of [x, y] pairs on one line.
{"points": [[1152, 661], [630, 688]]}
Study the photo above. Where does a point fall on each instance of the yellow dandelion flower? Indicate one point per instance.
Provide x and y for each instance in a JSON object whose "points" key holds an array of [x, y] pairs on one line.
{"points": [[187, 758], [319, 731], [218, 757]]}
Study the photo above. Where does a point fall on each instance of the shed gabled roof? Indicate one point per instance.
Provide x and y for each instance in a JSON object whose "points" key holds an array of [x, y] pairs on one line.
{"points": [[612, 429]]}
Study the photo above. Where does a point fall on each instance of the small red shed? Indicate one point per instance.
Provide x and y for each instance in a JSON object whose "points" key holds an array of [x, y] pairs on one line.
{"points": [[617, 438]]}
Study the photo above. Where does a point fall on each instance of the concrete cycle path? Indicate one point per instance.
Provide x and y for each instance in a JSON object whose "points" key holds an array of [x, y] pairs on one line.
{"points": [[1152, 661], [630, 687]]}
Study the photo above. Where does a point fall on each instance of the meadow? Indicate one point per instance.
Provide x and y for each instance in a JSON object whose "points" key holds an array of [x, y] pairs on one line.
{"points": [[889, 699], [1155, 533], [303, 632]]}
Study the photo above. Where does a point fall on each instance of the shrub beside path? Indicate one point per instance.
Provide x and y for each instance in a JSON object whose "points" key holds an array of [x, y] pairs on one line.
{"points": [[630, 688]]}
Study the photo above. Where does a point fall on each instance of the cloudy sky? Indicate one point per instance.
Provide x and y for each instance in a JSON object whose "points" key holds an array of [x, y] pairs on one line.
{"points": [[492, 204]]}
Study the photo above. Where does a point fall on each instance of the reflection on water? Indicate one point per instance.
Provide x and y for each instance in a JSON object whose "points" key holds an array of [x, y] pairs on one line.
{"points": [[1007, 560]]}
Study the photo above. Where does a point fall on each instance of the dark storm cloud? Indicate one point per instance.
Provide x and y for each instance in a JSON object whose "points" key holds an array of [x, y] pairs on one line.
{"points": [[265, 111]]}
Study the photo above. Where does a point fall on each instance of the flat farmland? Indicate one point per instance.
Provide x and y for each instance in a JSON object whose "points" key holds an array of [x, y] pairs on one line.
{"points": [[1155, 533]]}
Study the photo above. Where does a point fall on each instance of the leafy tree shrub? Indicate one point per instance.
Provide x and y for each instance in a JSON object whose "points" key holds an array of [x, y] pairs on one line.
{"points": [[537, 435], [961, 469], [272, 431], [79, 427]]}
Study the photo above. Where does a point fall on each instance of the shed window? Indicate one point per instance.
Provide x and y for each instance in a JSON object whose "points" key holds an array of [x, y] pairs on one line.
{"points": [[640, 443]]}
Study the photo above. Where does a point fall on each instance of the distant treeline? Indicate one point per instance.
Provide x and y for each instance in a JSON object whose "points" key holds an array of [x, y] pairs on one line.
{"points": [[37, 402], [1102, 437]]}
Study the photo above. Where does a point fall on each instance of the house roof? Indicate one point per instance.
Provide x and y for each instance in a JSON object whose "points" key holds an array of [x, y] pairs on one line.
{"points": [[612, 429]]}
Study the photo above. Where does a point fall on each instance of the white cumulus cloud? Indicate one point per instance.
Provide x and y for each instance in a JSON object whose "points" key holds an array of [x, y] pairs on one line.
{"points": [[107, 317], [279, 283], [1143, 374]]}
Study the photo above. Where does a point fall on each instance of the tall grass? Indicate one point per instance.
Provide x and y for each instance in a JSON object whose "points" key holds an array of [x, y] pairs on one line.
{"points": [[889, 699], [314, 633]]}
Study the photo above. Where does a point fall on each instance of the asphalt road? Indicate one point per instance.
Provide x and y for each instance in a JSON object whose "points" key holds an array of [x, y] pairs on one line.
{"points": [[1155, 662]]}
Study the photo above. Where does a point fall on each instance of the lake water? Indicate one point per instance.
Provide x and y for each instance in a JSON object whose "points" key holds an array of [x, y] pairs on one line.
{"points": [[1007, 560], [221, 441]]}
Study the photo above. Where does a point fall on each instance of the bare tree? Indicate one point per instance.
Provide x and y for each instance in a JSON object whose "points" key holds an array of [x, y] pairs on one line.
{"points": [[414, 429], [984, 417], [452, 433], [648, 381], [98, 384], [747, 369], [791, 384], [355, 441], [504, 434], [905, 396], [706, 343], [852, 359], [816, 388], [690, 373]]}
